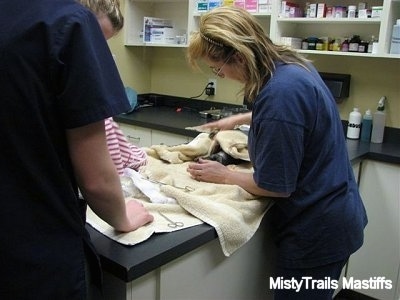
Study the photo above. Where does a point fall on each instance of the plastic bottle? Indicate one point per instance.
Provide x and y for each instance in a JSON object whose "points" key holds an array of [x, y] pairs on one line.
{"points": [[354, 125], [351, 11], [371, 44], [395, 45], [366, 126], [378, 122]]}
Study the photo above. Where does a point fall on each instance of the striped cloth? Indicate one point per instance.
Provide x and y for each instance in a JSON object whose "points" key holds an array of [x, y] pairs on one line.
{"points": [[123, 153]]}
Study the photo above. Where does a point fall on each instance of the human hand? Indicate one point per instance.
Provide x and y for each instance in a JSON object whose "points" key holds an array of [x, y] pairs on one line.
{"points": [[208, 171], [137, 215], [228, 122]]}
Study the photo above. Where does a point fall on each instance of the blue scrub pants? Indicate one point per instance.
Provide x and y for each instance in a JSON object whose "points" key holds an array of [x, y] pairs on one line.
{"points": [[321, 274]]}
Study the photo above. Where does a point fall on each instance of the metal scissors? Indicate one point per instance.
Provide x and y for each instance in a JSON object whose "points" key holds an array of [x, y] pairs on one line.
{"points": [[186, 188], [171, 223]]}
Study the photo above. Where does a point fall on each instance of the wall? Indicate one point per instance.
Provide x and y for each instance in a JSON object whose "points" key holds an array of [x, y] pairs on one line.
{"points": [[165, 71]]}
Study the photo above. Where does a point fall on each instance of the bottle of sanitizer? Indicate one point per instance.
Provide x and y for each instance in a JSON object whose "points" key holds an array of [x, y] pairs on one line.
{"points": [[378, 122], [354, 125]]}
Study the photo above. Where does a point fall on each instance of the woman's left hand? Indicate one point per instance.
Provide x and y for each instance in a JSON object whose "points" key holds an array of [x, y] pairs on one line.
{"points": [[208, 171]]}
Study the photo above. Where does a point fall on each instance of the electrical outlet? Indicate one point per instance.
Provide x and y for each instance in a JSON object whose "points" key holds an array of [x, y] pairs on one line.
{"points": [[213, 85]]}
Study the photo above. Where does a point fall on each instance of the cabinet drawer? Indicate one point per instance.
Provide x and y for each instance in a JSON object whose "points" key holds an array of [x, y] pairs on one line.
{"points": [[138, 136]]}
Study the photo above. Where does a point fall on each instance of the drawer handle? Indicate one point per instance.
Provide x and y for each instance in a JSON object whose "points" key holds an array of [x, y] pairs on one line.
{"points": [[136, 139]]}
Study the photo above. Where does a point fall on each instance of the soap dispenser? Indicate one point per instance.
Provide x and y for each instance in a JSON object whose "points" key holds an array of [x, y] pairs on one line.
{"points": [[378, 122]]}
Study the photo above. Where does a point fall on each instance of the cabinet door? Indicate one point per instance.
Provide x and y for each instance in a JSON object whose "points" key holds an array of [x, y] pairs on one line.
{"points": [[380, 254], [166, 138], [138, 136]]}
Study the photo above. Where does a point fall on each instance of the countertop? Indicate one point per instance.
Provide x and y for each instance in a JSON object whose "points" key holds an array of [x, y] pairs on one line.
{"points": [[130, 262]]}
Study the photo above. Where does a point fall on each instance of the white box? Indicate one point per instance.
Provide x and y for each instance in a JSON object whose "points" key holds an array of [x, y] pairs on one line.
{"points": [[155, 30], [376, 11], [265, 6], [292, 42], [313, 10], [321, 10]]}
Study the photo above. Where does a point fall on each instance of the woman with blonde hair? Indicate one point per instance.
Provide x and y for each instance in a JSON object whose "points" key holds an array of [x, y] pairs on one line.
{"points": [[123, 153], [296, 145]]}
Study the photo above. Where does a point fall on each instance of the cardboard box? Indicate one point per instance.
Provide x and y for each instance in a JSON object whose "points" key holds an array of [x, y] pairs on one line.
{"points": [[321, 10], [286, 8], [201, 6], [213, 4], [251, 5], [313, 10], [156, 30], [265, 6]]}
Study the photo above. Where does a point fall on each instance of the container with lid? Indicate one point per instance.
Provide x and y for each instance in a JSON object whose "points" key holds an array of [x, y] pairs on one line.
{"points": [[395, 45], [351, 11], [366, 126], [354, 43], [354, 125], [376, 11], [378, 122]]}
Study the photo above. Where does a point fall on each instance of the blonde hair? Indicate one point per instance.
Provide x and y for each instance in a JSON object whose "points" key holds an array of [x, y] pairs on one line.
{"points": [[110, 8], [227, 30]]}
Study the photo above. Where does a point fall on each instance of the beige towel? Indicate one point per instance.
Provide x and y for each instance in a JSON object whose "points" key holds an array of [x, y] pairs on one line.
{"points": [[233, 142], [234, 213], [160, 224]]}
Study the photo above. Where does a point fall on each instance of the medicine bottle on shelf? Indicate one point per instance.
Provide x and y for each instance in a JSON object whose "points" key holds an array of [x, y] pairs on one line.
{"points": [[354, 43], [354, 125], [344, 47], [371, 44], [366, 126]]}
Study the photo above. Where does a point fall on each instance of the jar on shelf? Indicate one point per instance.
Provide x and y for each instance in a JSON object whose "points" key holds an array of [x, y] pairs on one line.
{"points": [[312, 43], [335, 44], [351, 11], [363, 47], [344, 47], [304, 44], [353, 43]]}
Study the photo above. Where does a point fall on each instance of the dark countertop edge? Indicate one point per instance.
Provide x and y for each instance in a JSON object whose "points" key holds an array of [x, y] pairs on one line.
{"points": [[131, 262]]}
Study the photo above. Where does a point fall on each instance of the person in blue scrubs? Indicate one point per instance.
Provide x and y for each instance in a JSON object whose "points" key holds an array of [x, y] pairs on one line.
{"points": [[58, 83], [297, 148]]}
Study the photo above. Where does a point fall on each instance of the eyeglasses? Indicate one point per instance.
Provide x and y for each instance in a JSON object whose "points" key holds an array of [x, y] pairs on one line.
{"points": [[217, 71]]}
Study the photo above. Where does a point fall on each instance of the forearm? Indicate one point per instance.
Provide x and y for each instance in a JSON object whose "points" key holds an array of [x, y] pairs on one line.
{"points": [[243, 118], [106, 199], [96, 174], [246, 181]]}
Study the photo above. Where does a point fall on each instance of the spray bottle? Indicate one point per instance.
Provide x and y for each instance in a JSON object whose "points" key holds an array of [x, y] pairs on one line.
{"points": [[378, 122]]}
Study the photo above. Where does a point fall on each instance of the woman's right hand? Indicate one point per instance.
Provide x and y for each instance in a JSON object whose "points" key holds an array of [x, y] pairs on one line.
{"points": [[228, 122]]}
